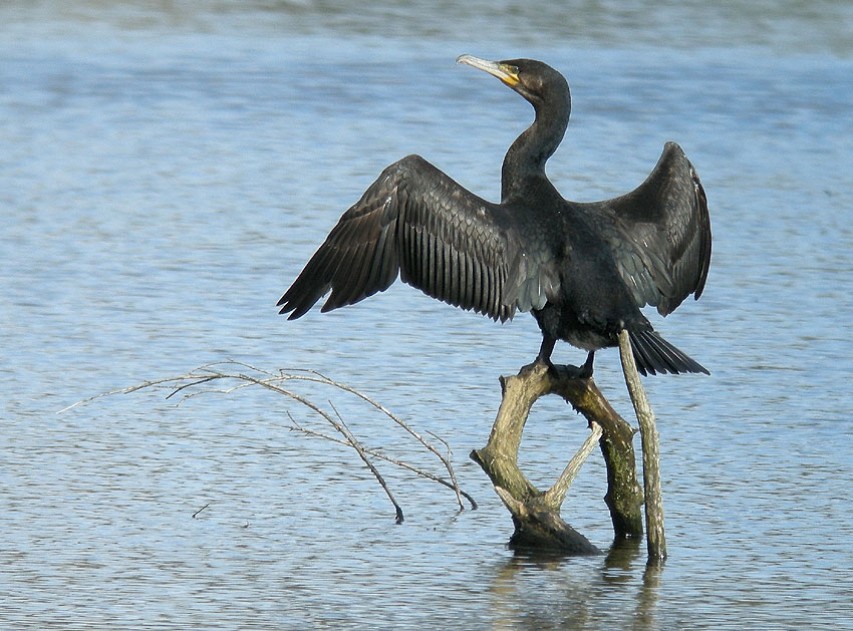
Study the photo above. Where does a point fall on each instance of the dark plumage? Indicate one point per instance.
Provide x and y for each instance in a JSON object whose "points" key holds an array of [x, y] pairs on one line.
{"points": [[583, 269]]}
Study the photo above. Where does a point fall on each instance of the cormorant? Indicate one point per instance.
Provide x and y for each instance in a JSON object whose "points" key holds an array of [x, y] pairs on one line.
{"points": [[584, 270]]}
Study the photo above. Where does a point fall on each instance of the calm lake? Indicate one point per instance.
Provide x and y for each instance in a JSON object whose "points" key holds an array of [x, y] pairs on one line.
{"points": [[165, 172]]}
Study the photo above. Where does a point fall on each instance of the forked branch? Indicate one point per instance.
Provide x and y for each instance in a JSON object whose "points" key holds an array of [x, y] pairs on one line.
{"points": [[536, 515]]}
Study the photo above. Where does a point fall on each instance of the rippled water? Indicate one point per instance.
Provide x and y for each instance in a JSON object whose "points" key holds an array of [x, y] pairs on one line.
{"points": [[165, 173]]}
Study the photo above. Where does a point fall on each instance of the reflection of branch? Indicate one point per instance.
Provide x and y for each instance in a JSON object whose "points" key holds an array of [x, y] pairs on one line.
{"points": [[190, 385]]}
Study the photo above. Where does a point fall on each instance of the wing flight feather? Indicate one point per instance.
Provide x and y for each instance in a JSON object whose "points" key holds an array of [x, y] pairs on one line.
{"points": [[417, 222]]}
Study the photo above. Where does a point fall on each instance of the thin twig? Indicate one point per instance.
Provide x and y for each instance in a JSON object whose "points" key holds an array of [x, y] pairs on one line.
{"points": [[318, 377], [450, 471], [341, 426], [315, 376], [375, 453], [192, 384], [189, 386], [195, 514]]}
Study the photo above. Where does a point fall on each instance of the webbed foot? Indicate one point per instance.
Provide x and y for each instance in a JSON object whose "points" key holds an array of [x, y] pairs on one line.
{"points": [[537, 363], [578, 372], [544, 356], [586, 369]]}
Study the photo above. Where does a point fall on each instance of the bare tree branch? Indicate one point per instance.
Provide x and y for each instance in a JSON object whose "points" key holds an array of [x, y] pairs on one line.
{"points": [[655, 537], [243, 375], [353, 442], [296, 427]]}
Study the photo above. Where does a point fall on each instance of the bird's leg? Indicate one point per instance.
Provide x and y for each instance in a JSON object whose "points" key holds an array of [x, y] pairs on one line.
{"points": [[586, 370], [545, 350], [544, 356]]}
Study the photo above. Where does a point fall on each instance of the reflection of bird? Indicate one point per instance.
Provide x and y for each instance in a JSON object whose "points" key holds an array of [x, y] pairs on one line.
{"points": [[583, 269]]}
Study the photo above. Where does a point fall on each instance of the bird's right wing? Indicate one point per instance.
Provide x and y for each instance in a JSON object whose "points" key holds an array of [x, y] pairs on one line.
{"points": [[416, 221]]}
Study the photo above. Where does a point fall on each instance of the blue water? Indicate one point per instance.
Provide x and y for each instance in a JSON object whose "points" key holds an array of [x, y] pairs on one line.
{"points": [[166, 172]]}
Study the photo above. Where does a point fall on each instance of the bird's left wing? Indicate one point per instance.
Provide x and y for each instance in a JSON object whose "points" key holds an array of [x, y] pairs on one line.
{"points": [[416, 221], [660, 233]]}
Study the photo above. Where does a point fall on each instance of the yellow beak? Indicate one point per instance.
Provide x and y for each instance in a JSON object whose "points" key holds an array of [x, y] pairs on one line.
{"points": [[505, 72]]}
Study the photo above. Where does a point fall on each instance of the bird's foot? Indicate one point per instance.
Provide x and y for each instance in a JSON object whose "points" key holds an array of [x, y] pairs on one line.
{"points": [[563, 370], [574, 372], [578, 372], [537, 364], [586, 369]]}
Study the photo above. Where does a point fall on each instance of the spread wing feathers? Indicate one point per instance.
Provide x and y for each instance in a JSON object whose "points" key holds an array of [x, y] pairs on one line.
{"points": [[416, 221], [660, 233]]}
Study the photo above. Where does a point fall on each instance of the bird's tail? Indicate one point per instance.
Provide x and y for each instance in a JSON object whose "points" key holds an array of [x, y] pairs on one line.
{"points": [[653, 355]]}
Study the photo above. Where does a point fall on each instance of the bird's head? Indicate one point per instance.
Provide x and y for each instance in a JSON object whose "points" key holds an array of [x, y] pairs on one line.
{"points": [[537, 82]]}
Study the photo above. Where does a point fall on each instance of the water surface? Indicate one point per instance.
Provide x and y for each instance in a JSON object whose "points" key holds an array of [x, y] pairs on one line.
{"points": [[164, 175]]}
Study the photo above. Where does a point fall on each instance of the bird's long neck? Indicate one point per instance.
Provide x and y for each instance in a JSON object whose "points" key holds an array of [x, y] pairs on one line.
{"points": [[524, 164]]}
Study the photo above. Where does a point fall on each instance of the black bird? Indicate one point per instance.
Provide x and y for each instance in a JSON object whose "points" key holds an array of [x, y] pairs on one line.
{"points": [[583, 269]]}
